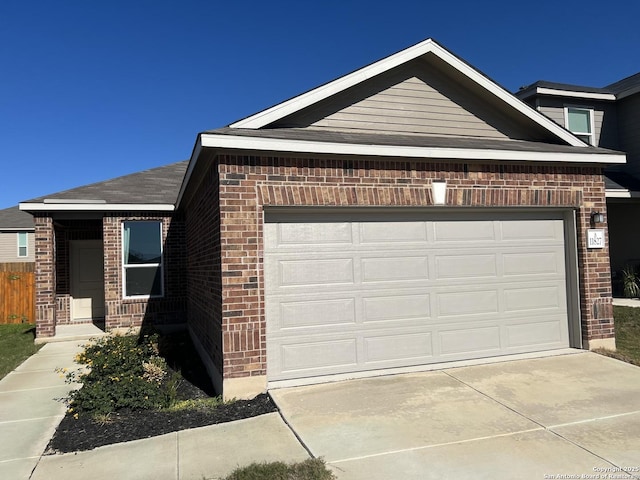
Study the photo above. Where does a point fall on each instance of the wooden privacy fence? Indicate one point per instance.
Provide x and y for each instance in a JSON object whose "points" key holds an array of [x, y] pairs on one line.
{"points": [[17, 293]]}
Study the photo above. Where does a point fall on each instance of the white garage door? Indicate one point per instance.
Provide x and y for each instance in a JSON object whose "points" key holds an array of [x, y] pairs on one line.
{"points": [[360, 292]]}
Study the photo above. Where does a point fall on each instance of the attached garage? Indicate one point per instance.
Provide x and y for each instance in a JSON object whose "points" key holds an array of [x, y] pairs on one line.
{"points": [[318, 249], [363, 291]]}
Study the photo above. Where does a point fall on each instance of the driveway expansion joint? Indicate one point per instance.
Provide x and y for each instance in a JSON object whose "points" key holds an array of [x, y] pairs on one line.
{"points": [[290, 427]]}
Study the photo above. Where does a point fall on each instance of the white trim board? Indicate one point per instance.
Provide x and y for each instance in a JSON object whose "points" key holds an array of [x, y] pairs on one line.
{"points": [[615, 193], [429, 46], [304, 146], [96, 207], [574, 94]]}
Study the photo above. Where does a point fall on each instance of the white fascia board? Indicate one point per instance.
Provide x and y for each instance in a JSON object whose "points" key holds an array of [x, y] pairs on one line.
{"points": [[288, 107], [304, 146], [618, 193], [575, 94], [96, 207]]}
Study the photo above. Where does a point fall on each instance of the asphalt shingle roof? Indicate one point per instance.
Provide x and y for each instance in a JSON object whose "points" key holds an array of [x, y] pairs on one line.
{"points": [[159, 185], [406, 140], [14, 218]]}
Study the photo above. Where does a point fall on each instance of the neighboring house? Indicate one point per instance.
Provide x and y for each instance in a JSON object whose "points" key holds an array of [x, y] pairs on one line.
{"points": [[412, 212], [16, 236], [607, 117]]}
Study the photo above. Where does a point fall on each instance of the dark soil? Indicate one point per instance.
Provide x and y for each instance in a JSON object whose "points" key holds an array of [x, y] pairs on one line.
{"points": [[86, 432]]}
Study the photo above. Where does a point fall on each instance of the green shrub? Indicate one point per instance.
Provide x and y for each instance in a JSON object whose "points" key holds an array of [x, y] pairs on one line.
{"points": [[312, 469], [123, 372]]}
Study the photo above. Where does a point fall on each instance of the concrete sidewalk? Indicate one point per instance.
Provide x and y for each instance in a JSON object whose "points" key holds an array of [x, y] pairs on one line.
{"points": [[31, 408]]}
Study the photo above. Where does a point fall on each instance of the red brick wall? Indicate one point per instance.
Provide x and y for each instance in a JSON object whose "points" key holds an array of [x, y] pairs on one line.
{"points": [[52, 272], [45, 276], [171, 308], [247, 184], [204, 278]]}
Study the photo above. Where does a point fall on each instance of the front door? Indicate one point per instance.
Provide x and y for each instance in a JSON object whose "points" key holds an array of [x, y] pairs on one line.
{"points": [[87, 279]]}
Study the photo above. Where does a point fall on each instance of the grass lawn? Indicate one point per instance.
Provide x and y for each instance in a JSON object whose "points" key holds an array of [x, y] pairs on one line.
{"points": [[627, 324], [312, 469], [16, 345]]}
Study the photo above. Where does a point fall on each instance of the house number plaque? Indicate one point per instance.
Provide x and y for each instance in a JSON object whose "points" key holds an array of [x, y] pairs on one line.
{"points": [[595, 238]]}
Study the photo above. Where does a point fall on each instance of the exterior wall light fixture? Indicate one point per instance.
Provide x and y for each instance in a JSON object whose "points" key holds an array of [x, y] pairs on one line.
{"points": [[439, 191], [597, 217]]}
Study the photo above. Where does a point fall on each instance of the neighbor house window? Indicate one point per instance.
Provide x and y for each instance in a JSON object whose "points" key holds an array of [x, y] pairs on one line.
{"points": [[23, 244], [142, 259], [579, 121]]}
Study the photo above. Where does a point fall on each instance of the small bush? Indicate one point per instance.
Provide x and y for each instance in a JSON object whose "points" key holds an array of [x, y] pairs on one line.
{"points": [[124, 371], [312, 469]]}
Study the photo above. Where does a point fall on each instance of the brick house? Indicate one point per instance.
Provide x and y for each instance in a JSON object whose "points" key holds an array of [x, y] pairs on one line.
{"points": [[410, 213], [85, 273], [607, 117]]}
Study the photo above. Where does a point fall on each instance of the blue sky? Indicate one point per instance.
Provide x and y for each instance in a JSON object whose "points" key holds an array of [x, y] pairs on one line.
{"points": [[93, 90]]}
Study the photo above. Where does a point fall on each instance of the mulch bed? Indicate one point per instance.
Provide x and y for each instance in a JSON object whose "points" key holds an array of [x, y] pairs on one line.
{"points": [[85, 433]]}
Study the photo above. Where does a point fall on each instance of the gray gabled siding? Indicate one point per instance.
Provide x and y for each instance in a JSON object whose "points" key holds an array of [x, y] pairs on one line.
{"points": [[605, 122], [417, 99]]}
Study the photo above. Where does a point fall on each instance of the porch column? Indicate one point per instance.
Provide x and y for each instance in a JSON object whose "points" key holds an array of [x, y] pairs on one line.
{"points": [[45, 276]]}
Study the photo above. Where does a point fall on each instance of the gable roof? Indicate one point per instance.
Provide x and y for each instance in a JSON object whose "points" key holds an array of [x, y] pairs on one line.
{"points": [[13, 219], [425, 49], [155, 189], [271, 131]]}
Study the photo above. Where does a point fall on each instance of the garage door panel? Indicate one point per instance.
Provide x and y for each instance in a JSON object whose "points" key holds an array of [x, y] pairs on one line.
{"points": [[465, 266], [310, 313], [394, 268], [393, 232], [396, 307], [292, 234], [535, 297], [398, 348], [402, 294], [536, 334], [318, 355], [533, 231], [467, 302], [463, 231], [316, 272], [470, 341], [531, 263]]}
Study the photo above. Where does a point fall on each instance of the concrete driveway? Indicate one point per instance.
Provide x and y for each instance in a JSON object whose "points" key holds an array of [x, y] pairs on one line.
{"points": [[568, 416]]}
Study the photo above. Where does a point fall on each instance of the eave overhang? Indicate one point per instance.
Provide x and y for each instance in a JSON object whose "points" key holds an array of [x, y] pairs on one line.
{"points": [[237, 142], [94, 207]]}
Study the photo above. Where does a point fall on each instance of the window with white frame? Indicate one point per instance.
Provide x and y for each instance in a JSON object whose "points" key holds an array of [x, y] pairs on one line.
{"points": [[579, 121], [23, 244], [142, 259]]}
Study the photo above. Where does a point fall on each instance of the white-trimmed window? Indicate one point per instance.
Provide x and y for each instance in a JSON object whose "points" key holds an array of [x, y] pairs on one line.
{"points": [[579, 121], [142, 259], [23, 244]]}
